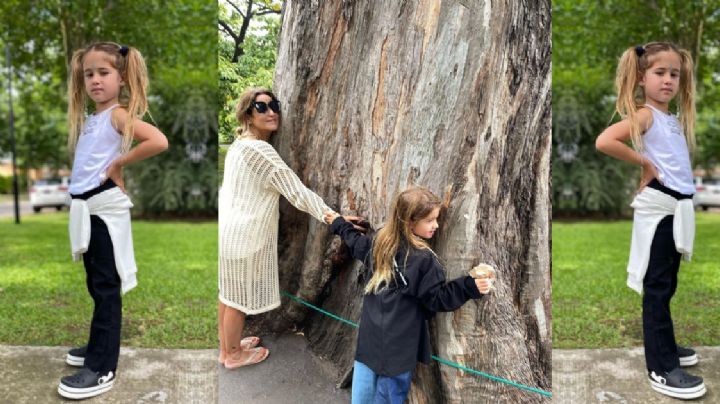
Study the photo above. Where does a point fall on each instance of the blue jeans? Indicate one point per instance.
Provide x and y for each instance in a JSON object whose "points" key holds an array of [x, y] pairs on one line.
{"points": [[371, 388]]}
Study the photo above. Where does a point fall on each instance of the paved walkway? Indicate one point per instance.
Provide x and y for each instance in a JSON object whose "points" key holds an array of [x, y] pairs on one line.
{"points": [[32, 374], [618, 376], [291, 374]]}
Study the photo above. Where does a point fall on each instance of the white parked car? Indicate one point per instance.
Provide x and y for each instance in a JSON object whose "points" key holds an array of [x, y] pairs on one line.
{"points": [[50, 192], [707, 192]]}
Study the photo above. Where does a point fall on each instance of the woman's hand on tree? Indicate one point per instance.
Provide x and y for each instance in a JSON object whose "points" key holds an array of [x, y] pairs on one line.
{"points": [[330, 216], [355, 221]]}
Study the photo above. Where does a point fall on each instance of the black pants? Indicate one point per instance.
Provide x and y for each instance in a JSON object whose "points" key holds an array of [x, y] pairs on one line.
{"points": [[104, 286], [103, 283], [659, 287]]}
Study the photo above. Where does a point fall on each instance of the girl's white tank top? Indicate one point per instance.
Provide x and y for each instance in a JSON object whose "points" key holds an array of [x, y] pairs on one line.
{"points": [[665, 146], [98, 145]]}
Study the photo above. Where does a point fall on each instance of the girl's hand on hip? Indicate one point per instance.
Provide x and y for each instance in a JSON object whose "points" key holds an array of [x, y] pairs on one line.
{"points": [[649, 172], [484, 285], [114, 172]]}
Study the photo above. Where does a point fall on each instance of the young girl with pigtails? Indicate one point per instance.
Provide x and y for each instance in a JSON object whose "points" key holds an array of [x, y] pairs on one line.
{"points": [[113, 78], [649, 78]]}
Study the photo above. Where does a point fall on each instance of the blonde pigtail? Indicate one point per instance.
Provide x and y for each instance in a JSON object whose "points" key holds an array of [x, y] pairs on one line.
{"points": [[135, 94], [627, 79], [76, 100], [686, 99]]}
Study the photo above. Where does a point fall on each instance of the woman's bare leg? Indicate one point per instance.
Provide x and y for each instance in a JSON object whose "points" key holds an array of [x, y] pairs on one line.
{"points": [[221, 336], [233, 325]]}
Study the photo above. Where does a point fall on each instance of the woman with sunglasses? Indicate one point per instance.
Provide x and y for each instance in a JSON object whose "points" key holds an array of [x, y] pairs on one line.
{"points": [[255, 177]]}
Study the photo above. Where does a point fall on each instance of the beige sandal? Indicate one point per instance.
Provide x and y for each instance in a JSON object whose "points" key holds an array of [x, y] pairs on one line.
{"points": [[246, 344], [258, 355]]}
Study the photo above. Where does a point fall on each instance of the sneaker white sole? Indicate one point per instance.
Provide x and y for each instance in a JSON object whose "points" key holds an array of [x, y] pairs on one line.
{"points": [[77, 394], [688, 360], [77, 361], [685, 394]]}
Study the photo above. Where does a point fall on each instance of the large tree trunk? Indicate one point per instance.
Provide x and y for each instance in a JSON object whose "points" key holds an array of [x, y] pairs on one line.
{"points": [[452, 95]]}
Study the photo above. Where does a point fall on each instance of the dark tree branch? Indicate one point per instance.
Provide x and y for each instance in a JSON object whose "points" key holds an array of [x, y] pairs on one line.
{"points": [[247, 15], [229, 30], [237, 8], [266, 11], [243, 31]]}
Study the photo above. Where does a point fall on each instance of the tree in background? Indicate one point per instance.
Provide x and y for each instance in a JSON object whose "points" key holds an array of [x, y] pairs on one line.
{"points": [[452, 96], [588, 39], [251, 8], [247, 46], [178, 42]]}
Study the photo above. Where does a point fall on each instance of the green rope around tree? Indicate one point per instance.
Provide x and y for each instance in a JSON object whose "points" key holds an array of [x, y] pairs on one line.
{"points": [[441, 360]]}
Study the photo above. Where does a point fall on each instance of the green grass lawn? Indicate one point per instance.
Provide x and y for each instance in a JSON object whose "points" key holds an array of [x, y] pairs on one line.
{"points": [[592, 306], [44, 300]]}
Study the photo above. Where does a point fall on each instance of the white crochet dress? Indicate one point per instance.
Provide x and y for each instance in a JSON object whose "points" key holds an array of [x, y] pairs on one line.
{"points": [[255, 177]]}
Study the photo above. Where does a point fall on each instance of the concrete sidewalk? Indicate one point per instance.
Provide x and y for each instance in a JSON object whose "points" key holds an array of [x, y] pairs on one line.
{"points": [[618, 376], [32, 374], [291, 374]]}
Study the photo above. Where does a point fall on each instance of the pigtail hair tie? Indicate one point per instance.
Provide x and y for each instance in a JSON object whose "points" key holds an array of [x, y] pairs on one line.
{"points": [[123, 50], [639, 51]]}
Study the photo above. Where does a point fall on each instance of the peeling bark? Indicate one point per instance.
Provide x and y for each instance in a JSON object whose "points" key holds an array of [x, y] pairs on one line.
{"points": [[451, 95]]}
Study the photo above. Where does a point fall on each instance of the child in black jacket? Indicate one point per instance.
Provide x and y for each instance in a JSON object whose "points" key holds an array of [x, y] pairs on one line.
{"points": [[406, 286]]}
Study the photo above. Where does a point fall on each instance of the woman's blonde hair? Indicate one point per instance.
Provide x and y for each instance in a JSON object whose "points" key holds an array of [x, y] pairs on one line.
{"points": [[409, 206], [243, 113], [632, 66], [133, 95]]}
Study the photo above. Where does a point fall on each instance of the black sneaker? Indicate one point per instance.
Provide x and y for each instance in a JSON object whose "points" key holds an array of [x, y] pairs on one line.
{"points": [[85, 384], [688, 357], [76, 356], [677, 383]]}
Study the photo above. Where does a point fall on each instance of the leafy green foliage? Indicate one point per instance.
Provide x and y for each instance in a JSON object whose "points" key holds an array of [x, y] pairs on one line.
{"points": [[256, 66], [179, 43], [588, 39]]}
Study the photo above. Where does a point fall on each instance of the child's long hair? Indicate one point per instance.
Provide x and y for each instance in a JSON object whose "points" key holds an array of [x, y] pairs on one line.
{"points": [[633, 64], [133, 95], [243, 112], [409, 206]]}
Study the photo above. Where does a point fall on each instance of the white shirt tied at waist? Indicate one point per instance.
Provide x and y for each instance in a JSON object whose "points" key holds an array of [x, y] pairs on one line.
{"points": [[650, 207], [113, 207]]}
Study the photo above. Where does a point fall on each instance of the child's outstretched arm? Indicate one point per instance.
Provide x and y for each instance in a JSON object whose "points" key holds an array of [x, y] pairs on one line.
{"points": [[436, 295], [152, 142], [359, 243], [612, 142]]}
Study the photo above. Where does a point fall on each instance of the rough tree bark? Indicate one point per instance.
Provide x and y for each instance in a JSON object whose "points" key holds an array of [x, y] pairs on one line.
{"points": [[452, 95]]}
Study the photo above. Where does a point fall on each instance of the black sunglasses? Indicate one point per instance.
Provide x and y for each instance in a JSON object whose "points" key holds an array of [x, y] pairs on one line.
{"points": [[262, 107]]}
